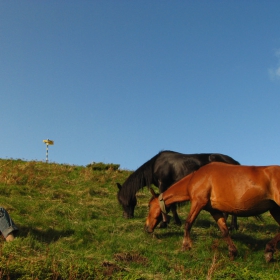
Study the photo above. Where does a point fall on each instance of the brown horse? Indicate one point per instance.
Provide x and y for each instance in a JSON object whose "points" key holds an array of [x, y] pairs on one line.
{"points": [[217, 187]]}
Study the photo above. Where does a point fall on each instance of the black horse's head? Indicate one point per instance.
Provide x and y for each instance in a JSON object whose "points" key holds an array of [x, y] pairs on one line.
{"points": [[128, 204]]}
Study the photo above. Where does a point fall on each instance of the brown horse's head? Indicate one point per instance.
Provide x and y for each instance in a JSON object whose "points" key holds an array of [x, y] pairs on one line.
{"points": [[154, 216]]}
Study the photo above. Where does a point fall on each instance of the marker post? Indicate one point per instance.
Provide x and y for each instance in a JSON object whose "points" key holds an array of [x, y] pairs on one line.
{"points": [[48, 142]]}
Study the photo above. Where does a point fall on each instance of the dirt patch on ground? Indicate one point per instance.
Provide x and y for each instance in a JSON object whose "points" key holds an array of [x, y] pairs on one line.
{"points": [[131, 257], [110, 268]]}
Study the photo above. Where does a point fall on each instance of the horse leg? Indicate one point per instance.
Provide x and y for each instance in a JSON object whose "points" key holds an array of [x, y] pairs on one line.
{"points": [[166, 218], [173, 208], [270, 247], [194, 211], [233, 224], [221, 222]]}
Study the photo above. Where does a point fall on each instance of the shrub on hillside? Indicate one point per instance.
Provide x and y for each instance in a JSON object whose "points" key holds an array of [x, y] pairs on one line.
{"points": [[100, 166]]}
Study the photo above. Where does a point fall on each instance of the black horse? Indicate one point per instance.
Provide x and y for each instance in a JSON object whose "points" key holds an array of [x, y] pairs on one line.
{"points": [[163, 170]]}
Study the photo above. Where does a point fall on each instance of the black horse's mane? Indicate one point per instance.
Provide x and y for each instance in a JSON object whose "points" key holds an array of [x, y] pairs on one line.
{"points": [[141, 177]]}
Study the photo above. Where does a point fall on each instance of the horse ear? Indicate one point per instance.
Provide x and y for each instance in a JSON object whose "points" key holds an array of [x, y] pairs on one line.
{"points": [[211, 158], [153, 193], [119, 186]]}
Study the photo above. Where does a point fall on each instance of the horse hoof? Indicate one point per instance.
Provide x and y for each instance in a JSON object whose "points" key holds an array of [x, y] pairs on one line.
{"points": [[178, 223], [231, 257], [163, 225], [186, 248], [233, 228], [268, 256], [232, 254]]}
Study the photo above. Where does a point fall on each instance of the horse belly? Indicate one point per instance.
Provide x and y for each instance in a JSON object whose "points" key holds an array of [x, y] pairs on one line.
{"points": [[244, 208], [243, 197]]}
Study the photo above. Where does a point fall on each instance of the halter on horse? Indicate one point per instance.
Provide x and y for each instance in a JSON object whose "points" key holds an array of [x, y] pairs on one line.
{"points": [[163, 170], [249, 191]]}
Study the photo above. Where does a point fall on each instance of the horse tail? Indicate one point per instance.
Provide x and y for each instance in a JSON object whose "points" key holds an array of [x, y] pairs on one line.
{"points": [[259, 218]]}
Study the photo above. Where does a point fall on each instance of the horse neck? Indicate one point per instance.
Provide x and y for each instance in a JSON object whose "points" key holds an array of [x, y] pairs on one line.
{"points": [[143, 176], [136, 181], [177, 192]]}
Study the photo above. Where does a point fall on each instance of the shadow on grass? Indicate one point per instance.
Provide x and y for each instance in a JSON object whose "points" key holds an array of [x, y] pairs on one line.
{"points": [[246, 233], [165, 235], [48, 236]]}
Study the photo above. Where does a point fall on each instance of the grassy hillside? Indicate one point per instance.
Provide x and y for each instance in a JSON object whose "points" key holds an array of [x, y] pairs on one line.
{"points": [[71, 228]]}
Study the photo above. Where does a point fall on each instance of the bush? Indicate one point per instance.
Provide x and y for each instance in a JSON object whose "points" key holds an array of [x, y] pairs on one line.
{"points": [[100, 166]]}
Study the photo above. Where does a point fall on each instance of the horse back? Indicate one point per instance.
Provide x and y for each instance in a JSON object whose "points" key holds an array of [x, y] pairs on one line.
{"points": [[170, 167], [233, 188]]}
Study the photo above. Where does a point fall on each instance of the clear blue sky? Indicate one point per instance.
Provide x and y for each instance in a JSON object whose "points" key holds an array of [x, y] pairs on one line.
{"points": [[119, 81]]}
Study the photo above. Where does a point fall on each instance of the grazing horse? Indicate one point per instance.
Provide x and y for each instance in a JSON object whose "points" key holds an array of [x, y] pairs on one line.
{"points": [[222, 188], [163, 170]]}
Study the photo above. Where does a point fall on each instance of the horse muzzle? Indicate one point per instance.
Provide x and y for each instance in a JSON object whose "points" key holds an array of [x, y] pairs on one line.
{"points": [[148, 229], [128, 215]]}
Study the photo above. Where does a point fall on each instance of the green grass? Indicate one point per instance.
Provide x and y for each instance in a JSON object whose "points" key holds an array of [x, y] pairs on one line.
{"points": [[71, 228]]}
